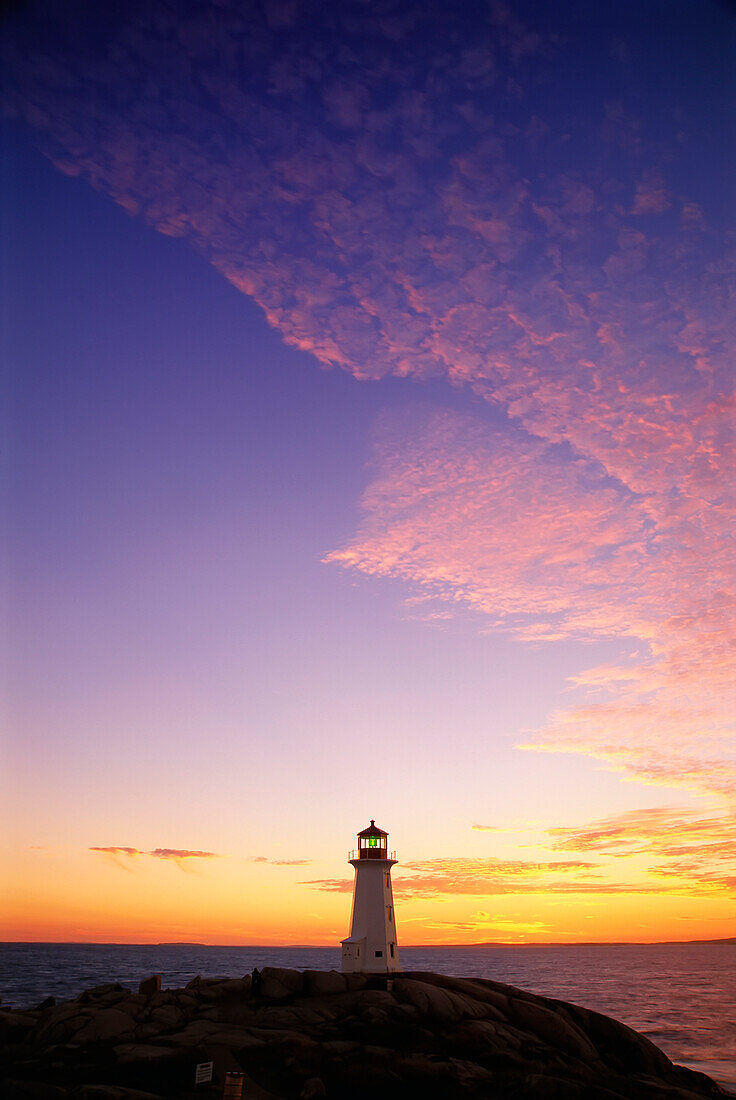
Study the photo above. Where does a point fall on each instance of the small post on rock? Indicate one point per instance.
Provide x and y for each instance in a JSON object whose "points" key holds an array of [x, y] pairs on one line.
{"points": [[233, 1088]]}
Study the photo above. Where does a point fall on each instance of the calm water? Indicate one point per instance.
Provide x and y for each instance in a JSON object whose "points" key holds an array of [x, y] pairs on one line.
{"points": [[682, 996]]}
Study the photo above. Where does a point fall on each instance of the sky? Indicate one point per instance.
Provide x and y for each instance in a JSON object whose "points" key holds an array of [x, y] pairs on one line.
{"points": [[368, 417]]}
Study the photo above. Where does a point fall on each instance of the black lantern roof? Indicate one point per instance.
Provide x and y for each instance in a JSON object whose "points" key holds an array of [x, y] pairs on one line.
{"points": [[372, 830]]}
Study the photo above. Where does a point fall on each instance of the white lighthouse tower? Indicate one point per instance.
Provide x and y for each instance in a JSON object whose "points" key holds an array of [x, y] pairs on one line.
{"points": [[371, 947]]}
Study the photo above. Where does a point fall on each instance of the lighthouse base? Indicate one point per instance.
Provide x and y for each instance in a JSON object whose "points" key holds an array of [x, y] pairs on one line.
{"points": [[353, 955], [361, 957]]}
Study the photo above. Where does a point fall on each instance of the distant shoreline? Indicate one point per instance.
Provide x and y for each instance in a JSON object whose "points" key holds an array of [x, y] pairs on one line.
{"points": [[408, 946]]}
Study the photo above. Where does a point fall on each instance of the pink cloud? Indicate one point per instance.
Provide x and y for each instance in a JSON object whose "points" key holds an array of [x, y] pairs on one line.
{"points": [[679, 844], [544, 545], [358, 260], [490, 877], [116, 851], [180, 853], [660, 850], [180, 856], [280, 862], [660, 828], [652, 196]]}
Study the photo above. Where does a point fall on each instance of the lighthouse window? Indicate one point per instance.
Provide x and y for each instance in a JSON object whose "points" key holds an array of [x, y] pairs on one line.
{"points": [[387, 880], [388, 912], [379, 954], [392, 949], [372, 841]]}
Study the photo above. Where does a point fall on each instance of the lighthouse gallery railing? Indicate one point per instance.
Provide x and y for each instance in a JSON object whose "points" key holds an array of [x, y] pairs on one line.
{"points": [[370, 853]]}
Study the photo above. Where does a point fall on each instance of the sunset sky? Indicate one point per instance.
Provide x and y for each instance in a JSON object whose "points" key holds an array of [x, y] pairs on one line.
{"points": [[368, 416]]}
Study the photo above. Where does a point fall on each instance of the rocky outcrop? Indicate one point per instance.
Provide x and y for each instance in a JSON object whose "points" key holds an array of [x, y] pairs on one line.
{"points": [[313, 1034]]}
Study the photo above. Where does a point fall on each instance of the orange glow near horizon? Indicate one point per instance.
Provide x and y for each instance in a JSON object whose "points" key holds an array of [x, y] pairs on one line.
{"points": [[643, 876]]}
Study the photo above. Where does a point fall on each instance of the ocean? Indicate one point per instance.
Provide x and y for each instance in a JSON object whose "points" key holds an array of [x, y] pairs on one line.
{"points": [[682, 996]]}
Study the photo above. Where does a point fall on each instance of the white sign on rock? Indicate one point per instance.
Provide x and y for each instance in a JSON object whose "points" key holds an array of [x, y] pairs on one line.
{"points": [[203, 1073]]}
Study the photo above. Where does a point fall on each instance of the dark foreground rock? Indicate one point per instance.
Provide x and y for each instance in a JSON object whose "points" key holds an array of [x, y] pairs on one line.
{"points": [[315, 1034]]}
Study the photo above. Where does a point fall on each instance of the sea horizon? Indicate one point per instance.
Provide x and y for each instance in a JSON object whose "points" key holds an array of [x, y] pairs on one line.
{"points": [[403, 946]]}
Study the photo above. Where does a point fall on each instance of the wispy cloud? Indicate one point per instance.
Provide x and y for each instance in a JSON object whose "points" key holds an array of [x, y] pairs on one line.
{"points": [[679, 844], [488, 877], [653, 851], [660, 829], [180, 853], [545, 545], [331, 885], [493, 926], [123, 856], [491, 877], [280, 862], [409, 233]]}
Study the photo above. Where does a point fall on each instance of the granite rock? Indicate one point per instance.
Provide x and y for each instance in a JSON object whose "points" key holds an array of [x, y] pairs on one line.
{"points": [[323, 983], [278, 983], [150, 985], [316, 1034]]}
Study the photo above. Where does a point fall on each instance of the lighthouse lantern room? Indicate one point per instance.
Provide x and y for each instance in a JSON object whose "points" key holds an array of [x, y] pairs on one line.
{"points": [[371, 947]]}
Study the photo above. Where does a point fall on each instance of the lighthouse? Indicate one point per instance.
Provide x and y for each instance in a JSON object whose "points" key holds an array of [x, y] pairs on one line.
{"points": [[371, 947]]}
